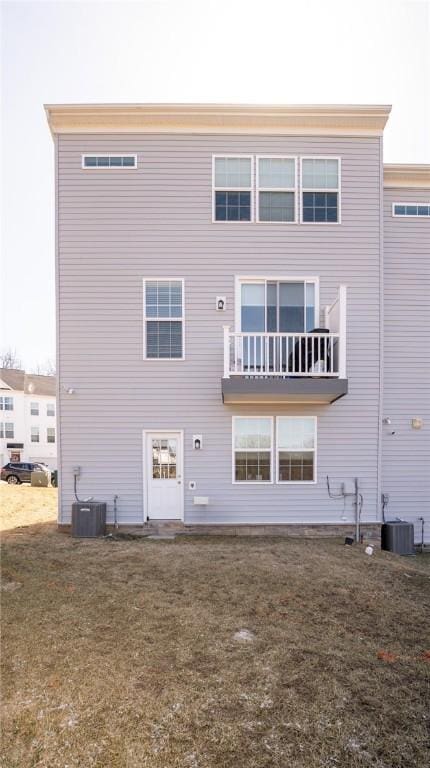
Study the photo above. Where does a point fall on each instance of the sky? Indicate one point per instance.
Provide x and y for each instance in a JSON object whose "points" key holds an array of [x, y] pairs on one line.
{"points": [[252, 51]]}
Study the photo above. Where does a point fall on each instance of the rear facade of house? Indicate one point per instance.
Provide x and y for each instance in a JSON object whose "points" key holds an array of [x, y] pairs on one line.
{"points": [[242, 316]]}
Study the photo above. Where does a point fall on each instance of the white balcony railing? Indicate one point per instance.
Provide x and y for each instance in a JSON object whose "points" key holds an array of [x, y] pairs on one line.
{"points": [[319, 354]]}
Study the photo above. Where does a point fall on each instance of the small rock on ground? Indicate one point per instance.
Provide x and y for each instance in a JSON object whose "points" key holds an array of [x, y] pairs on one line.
{"points": [[244, 636]]}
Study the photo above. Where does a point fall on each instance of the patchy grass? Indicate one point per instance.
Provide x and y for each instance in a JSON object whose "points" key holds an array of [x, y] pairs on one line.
{"points": [[121, 654], [22, 505]]}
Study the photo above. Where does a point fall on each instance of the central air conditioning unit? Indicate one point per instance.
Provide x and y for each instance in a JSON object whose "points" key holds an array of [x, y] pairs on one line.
{"points": [[398, 536], [88, 519]]}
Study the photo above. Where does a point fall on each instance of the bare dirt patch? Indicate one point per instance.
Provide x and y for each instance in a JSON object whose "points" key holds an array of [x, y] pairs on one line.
{"points": [[121, 654]]}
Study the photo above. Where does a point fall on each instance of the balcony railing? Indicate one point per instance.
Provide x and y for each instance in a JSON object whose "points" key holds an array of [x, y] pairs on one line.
{"points": [[318, 354]]}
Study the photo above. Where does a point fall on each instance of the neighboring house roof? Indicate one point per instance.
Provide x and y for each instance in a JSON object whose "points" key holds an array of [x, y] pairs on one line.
{"points": [[402, 175], [281, 119], [30, 383]]}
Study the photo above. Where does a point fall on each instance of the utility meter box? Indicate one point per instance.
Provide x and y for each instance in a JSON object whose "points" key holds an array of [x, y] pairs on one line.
{"points": [[88, 519]]}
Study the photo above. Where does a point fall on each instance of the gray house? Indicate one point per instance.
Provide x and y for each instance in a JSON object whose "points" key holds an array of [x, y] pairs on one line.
{"points": [[243, 316]]}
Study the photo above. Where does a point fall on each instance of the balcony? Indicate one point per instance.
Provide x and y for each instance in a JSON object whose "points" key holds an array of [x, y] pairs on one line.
{"points": [[288, 367]]}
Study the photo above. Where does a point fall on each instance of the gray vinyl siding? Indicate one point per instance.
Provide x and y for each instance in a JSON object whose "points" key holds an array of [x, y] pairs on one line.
{"points": [[406, 454], [117, 227]]}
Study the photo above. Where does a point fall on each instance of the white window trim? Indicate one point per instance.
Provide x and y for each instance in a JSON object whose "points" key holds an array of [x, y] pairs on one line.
{"points": [[408, 215], [50, 406], [38, 434], [107, 167], [173, 319], [309, 450], [338, 190], [233, 189], [31, 409], [276, 189], [233, 456], [3, 430], [3, 399], [239, 279], [51, 442]]}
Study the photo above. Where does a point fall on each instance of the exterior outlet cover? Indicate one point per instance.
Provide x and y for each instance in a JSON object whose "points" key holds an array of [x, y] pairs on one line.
{"points": [[192, 485], [221, 303]]}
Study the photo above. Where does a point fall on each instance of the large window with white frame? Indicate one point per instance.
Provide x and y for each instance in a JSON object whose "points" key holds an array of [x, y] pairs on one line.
{"points": [[6, 403], [252, 449], [50, 435], [7, 430], [164, 319], [277, 304], [276, 189], [232, 188], [320, 190], [50, 409], [296, 438], [34, 435], [34, 409]]}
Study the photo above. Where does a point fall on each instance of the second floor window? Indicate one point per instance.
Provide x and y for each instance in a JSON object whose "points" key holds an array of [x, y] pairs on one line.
{"points": [[276, 189], [34, 409], [35, 434], [164, 319], [7, 430], [6, 403], [50, 409], [320, 190], [232, 180], [50, 435]]}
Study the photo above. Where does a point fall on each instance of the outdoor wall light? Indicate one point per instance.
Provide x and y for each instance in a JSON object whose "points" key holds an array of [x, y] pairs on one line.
{"points": [[221, 303], [386, 421], [68, 390], [197, 442]]}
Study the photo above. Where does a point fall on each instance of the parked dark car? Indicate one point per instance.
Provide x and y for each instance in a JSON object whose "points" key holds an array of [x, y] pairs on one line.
{"points": [[20, 471], [54, 478]]}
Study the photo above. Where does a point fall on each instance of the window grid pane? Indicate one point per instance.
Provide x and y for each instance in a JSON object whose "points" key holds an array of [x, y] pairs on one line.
{"points": [[320, 207], [296, 434], [413, 209], [297, 466], [276, 206], [9, 429], [233, 172], [320, 174], [252, 466], [276, 173], [163, 339], [232, 206], [109, 161]]}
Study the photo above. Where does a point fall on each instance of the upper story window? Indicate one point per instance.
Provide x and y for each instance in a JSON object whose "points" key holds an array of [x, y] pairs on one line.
{"points": [[6, 403], [232, 188], [411, 209], [296, 449], [7, 430], [320, 181], [109, 161], [34, 409], [276, 189], [50, 435], [252, 449], [164, 319], [50, 409], [34, 434]]}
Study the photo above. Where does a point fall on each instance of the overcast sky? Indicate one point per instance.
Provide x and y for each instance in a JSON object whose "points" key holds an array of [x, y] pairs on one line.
{"points": [[281, 51]]}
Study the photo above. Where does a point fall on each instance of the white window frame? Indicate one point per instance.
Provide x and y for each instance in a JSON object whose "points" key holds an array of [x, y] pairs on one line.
{"points": [[233, 457], [259, 189], [51, 442], [309, 450], [49, 406], [34, 426], [3, 399], [108, 167], [338, 190], [31, 408], [258, 279], [8, 424], [164, 319], [408, 215], [233, 189]]}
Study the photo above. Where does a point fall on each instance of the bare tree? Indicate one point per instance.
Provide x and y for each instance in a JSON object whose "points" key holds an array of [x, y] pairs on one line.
{"points": [[9, 359], [47, 368]]}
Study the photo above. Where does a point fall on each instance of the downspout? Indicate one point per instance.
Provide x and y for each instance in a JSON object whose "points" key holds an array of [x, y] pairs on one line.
{"points": [[57, 331], [381, 331]]}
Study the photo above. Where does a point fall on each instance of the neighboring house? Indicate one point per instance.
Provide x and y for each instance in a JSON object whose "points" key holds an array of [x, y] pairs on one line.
{"points": [[27, 417], [242, 312]]}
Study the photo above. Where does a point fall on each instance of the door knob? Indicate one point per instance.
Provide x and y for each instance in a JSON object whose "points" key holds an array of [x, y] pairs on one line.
{"points": [[179, 482]]}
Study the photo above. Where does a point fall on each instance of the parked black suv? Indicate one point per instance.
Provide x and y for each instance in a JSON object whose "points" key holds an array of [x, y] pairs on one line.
{"points": [[20, 471]]}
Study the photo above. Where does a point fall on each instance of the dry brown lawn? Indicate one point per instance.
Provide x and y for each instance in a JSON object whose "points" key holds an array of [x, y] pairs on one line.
{"points": [[121, 654]]}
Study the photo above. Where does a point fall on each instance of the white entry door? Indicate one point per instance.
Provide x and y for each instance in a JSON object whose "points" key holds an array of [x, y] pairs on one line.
{"points": [[164, 489]]}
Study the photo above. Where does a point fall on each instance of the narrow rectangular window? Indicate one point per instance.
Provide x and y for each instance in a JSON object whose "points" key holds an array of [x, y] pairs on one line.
{"points": [[8, 403], [109, 161], [276, 189], [1, 429], [50, 435], [320, 184], [9, 430], [232, 188], [296, 449], [252, 449], [34, 409], [411, 209], [34, 434], [164, 319], [50, 409]]}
